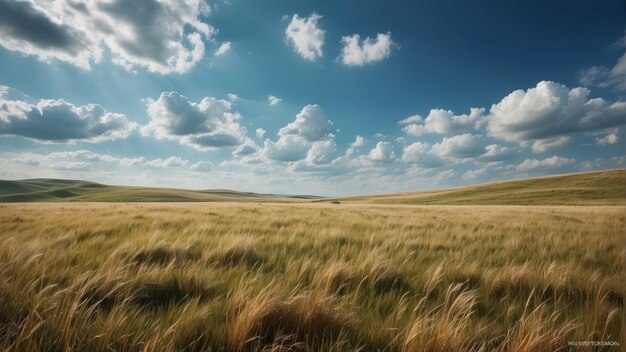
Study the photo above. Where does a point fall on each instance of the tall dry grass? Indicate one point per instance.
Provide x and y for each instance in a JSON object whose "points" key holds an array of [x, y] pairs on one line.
{"points": [[295, 277]]}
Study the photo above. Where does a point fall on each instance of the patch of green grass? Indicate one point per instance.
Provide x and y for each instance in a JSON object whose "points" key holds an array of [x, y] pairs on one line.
{"points": [[593, 188]]}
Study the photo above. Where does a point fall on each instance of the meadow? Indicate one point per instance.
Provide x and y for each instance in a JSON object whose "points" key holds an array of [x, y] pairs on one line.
{"points": [[310, 276]]}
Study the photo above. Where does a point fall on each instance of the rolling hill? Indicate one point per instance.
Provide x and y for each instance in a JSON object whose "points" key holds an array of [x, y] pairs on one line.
{"points": [[592, 188], [54, 190]]}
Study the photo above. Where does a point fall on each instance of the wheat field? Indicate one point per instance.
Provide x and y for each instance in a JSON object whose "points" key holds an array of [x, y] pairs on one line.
{"points": [[310, 277]]}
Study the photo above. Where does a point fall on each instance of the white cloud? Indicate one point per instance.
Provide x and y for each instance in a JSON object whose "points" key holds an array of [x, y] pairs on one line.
{"points": [[246, 148], [460, 147], [83, 155], [358, 142], [589, 165], [443, 122], [322, 152], [371, 50], [605, 76], [549, 163], [172, 161], [591, 75], [27, 160], [477, 173], [452, 150], [202, 166], [232, 97], [305, 137], [311, 124], [70, 166], [59, 121], [223, 49], [417, 119], [272, 100], [495, 152], [131, 161], [421, 153], [306, 145], [287, 148], [306, 36], [618, 73], [85, 159], [551, 109], [544, 145], [162, 36], [383, 153], [209, 124], [608, 139]]}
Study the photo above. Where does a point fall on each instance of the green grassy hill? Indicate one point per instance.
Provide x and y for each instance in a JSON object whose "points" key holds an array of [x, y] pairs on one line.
{"points": [[52, 190], [592, 188]]}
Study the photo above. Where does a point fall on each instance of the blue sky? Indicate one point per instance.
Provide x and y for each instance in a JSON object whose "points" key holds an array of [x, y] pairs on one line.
{"points": [[328, 98]]}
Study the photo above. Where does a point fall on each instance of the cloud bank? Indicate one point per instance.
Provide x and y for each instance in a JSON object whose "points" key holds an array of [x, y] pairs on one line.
{"points": [[161, 36]]}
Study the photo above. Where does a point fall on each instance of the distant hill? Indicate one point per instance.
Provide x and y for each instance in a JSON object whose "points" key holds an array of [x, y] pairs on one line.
{"points": [[591, 188], [53, 190]]}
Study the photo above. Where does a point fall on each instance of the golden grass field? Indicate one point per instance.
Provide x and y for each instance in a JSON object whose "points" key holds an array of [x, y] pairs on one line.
{"points": [[310, 277]]}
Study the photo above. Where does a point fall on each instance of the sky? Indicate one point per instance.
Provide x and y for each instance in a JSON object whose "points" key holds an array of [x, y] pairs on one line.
{"points": [[310, 97]]}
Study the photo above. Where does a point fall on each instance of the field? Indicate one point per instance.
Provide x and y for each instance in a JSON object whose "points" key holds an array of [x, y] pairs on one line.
{"points": [[312, 276], [590, 188]]}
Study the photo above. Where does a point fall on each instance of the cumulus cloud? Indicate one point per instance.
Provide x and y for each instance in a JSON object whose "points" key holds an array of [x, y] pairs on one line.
{"points": [[551, 109], [549, 163], [131, 161], [272, 100], [207, 125], [460, 146], [306, 36], [260, 132], [322, 152], [452, 150], [307, 140], [223, 49], [442, 122], [544, 145], [358, 142], [162, 36], [311, 124], [421, 153], [82, 155], [495, 152], [70, 166], [85, 159], [27, 160], [202, 166], [172, 161], [417, 119], [287, 148], [247, 148], [382, 153], [59, 121], [232, 97], [478, 173], [355, 53], [609, 139]]}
